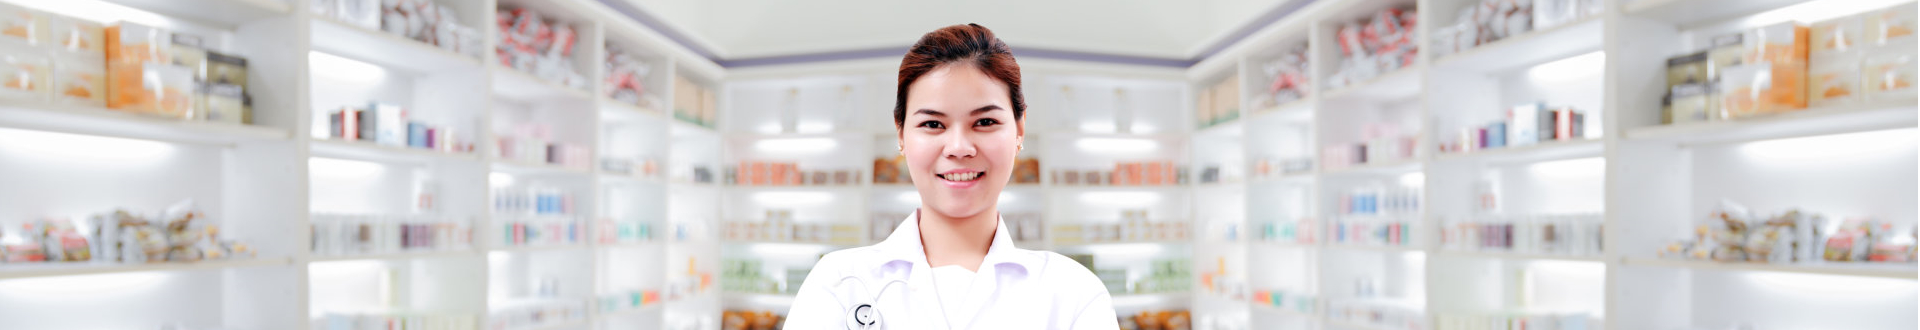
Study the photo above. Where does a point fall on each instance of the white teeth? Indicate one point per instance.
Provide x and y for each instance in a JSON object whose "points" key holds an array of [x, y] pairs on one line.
{"points": [[961, 176]]}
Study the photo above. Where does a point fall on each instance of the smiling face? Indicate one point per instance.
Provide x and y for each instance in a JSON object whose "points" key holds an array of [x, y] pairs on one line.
{"points": [[960, 138]]}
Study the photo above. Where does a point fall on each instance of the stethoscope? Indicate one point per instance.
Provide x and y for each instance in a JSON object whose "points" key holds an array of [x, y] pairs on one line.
{"points": [[865, 316]]}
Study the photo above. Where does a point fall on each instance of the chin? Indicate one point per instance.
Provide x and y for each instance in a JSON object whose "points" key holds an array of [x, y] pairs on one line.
{"points": [[960, 209]]}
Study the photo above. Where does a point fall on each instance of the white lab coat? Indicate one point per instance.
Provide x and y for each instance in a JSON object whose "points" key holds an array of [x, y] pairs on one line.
{"points": [[1013, 289]]}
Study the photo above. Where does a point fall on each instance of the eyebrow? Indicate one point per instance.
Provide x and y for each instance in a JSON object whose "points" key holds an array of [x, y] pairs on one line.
{"points": [[936, 113]]}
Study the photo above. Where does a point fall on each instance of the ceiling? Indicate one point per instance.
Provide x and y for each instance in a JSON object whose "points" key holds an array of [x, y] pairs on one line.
{"points": [[744, 29]]}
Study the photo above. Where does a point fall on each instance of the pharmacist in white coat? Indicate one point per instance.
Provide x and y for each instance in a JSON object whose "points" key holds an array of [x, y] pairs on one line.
{"points": [[952, 265]]}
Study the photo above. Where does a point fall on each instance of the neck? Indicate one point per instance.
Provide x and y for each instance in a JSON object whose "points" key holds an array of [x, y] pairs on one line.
{"points": [[958, 241]]}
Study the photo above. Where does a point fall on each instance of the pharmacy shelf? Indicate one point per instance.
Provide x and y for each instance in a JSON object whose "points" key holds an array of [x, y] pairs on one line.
{"points": [[682, 128], [1374, 248], [517, 85], [1288, 312], [1858, 117], [18, 271], [540, 248], [628, 245], [615, 112], [1397, 85], [401, 255], [1081, 189], [759, 299], [525, 168], [1687, 13], [1138, 301], [1292, 178], [1298, 111], [369, 151], [836, 189], [1387, 168], [630, 180], [793, 243], [1907, 271], [1228, 129], [224, 12], [1089, 246], [1517, 256], [1351, 325], [643, 309], [1541, 152], [103, 122], [563, 325], [1540, 46], [385, 49], [1288, 245]]}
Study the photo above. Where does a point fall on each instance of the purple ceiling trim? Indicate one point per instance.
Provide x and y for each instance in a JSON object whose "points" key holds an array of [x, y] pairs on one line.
{"points": [[1238, 35]]}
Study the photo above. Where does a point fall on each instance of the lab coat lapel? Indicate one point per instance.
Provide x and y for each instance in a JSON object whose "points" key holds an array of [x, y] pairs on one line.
{"points": [[904, 245], [1004, 267]]}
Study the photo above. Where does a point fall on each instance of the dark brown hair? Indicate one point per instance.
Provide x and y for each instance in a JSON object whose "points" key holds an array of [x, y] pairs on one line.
{"points": [[969, 44]]}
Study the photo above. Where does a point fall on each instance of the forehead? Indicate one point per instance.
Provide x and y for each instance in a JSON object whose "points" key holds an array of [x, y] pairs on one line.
{"points": [[951, 88]]}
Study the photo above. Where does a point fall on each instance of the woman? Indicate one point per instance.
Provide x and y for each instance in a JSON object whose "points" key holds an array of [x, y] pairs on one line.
{"points": [[960, 118]]}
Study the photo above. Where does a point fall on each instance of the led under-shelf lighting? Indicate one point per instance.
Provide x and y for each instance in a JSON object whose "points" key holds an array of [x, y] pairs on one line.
{"points": [[1414, 179], [1574, 168], [796, 145], [792, 198], [1120, 198], [1837, 148], [342, 168], [498, 179], [103, 287], [345, 69], [1570, 69], [787, 249], [1815, 11], [101, 11], [1127, 249], [1117, 145], [85, 147], [1818, 287]]}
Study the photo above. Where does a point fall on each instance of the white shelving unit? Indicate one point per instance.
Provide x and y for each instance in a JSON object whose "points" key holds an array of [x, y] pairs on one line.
{"points": [[263, 182]]}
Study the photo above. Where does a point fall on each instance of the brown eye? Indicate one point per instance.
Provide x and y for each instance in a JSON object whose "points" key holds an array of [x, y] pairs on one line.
{"points": [[984, 122], [932, 125]]}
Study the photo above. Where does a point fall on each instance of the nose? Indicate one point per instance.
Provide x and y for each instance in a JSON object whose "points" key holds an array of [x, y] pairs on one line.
{"points": [[959, 145]]}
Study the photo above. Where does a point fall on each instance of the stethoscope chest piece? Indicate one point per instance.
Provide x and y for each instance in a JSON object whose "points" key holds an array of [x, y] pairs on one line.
{"points": [[863, 317]]}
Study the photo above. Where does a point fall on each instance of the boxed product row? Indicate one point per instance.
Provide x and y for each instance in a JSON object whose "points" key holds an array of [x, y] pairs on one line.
{"points": [[537, 313], [358, 234], [1524, 125], [1290, 78], [532, 201], [1212, 174], [410, 321], [1379, 200], [894, 171], [181, 233], [1296, 301], [1163, 275], [1787, 66], [419, 20], [1493, 20], [780, 227], [1371, 231], [537, 45], [1133, 229], [1292, 232], [1380, 144], [1271, 168], [1380, 44], [540, 230], [628, 300], [534, 143], [387, 124], [1219, 103], [692, 282], [626, 79], [751, 173], [751, 320], [1507, 321], [1157, 320], [701, 174], [1380, 314], [1153, 173], [630, 231], [1735, 234], [630, 166], [694, 103], [1565, 234], [123, 66], [748, 275]]}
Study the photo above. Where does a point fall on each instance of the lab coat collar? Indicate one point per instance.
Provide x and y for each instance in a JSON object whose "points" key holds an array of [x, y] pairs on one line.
{"points": [[904, 245]]}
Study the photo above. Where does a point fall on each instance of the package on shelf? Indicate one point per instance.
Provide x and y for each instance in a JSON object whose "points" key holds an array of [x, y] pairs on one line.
{"points": [[388, 124], [1734, 234], [536, 313], [1157, 320], [751, 320], [1267, 168], [627, 76], [142, 75], [1299, 231], [24, 73], [1371, 231], [540, 230], [1296, 301], [636, 166], [757, 173], [1380, 143], [1523, 125], [1490, 21], [1383, 314], [22, 26], [1144, 173], [1374, 200], [692, 102], [422, 321], [1563, 234], [1290, 78], [358, 234], [532, 200], [1021, 227], [747, 275], [780, 227], [1772, 75], [544, 48], [1381, 44], [534, 143], [1219, 103], [627, 299], [625, 231], [1516, 320], [1133, 227], [77, 37], [181, 233], [891, 170]]}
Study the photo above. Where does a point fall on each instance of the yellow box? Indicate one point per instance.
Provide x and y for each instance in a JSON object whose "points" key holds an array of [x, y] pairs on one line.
{"points": [[140, 75]]}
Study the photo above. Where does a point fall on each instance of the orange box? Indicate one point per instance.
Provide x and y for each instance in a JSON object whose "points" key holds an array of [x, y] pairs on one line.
{"points": [[761, 176], [1155, 174], [140, 76]]}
